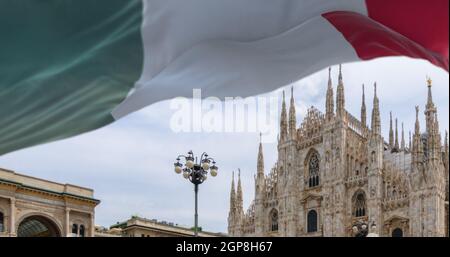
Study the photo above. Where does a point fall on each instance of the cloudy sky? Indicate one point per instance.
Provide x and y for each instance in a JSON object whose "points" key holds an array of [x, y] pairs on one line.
{"points": [[129, 164]]}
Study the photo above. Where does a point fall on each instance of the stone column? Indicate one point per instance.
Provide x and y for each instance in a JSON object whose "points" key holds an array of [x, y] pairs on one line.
{"points": [[92, 226], [67, 222], [12, 217]]}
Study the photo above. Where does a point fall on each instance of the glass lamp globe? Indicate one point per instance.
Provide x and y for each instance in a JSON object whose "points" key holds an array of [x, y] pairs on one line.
{"points": [[205, 165], [204, 177], [355, 229], [186, 175], [214, 172], [178, 169], [189, 163], [364, 226]]}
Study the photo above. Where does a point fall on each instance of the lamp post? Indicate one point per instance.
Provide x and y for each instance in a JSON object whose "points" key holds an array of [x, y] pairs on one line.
{"points": [[361, 229], [196, 173], [374, 230]]}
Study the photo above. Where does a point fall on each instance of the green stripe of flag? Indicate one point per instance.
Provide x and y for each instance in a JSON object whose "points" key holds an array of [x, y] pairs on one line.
{"points": [[64, 65]]}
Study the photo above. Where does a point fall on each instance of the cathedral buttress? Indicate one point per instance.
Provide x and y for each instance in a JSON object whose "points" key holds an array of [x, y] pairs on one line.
{"points": [[375, 180]]}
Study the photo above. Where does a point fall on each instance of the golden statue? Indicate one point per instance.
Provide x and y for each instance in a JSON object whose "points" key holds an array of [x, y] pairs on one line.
{"points": [[429, 81]]}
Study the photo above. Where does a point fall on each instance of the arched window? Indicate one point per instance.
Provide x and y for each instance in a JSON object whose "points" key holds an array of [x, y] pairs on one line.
{"points": [[312, 221], [81, 230], [359, 204], [2, 228], [274, 220], [397, 232], [313, 169], [75, 229]]}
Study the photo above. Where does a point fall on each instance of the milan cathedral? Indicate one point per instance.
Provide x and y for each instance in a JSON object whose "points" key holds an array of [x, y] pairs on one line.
{"points": [[335, 175]]}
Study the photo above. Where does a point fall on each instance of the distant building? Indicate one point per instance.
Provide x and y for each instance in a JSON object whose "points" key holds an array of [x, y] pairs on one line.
{"points": [[105, 232], [141, 227], [33, 207], [334, 171]]}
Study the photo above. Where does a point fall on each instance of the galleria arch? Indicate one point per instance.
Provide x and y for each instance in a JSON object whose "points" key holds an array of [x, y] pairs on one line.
{"points": [[38, 226]]}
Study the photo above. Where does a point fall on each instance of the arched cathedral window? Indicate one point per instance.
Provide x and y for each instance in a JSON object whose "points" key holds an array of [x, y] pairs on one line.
{"points": [[397, 232], [312, 221], [75, 229], [359, 204], [82, 230], [274, 220], [313, 169]]}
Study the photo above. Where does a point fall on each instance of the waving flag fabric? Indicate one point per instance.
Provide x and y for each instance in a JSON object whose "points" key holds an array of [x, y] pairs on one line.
{"points": [[71, 66]]}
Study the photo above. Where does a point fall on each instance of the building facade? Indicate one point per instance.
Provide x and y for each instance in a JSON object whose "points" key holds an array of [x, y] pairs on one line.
{"points": [[142, 227], [335, 171], [33, 207]]}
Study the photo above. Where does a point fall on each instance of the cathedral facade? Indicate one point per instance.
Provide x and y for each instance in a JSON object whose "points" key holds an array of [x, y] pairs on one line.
{"points": [[337, 176]]}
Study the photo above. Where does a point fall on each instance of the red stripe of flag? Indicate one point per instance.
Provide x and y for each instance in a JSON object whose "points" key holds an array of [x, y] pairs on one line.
{"points": [[419, 30], [424, 22]]}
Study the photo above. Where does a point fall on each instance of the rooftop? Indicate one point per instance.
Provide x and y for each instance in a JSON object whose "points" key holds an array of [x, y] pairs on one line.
{"points": [[37, 184]]}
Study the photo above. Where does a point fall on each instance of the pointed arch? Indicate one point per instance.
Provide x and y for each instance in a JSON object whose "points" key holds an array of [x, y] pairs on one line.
{"points": [[397, 232], [312, 221], [273, 220], [312, 164], [359, 207]]}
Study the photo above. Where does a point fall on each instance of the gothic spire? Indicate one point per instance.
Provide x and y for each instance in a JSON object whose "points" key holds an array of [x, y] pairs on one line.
{"points": [[446, 154], [330, 98], [376, 124], [340, 98], [292, 118], [430, 110], [260, 164], [417, 145], [417, 124], [232, 195], [239, 200], [391, 131], [396, 145], [430, 103], [363, 109], [402, 142], [432, 127], [283, 121], [446, 143], [410, 143]]}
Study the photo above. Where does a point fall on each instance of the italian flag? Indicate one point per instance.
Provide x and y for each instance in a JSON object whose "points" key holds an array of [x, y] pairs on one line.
{"points": [[72, 66]]}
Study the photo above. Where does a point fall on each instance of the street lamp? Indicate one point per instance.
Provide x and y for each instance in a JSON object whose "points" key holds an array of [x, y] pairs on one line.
{"points": [[360, 229], [197, 173]]}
